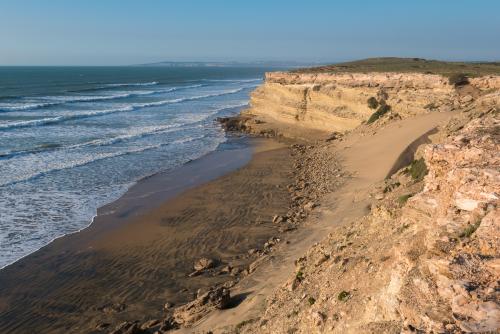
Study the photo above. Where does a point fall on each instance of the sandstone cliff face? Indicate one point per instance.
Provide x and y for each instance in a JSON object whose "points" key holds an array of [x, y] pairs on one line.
{"points": [[426, 259], [338, 102]]}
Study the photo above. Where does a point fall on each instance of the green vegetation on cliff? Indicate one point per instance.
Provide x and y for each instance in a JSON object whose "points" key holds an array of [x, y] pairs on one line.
{"points": [[408, 65]]}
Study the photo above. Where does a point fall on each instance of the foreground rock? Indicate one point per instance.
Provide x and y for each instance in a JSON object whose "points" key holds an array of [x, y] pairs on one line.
{"points": [[214, 299], [204, 264]]}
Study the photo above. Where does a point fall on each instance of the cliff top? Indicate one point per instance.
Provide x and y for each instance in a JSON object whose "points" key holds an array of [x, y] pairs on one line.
{"points": [[409, 65]]}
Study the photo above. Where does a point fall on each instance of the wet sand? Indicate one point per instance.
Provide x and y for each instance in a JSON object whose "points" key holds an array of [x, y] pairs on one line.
{"points": [[137, 254]]}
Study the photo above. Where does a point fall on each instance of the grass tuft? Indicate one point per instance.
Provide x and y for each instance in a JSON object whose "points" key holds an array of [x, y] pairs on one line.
{"points": [[344, 296], [372, 103], [458, 79], [381, 111], [469, 230], [417, 169], [403, 199]]}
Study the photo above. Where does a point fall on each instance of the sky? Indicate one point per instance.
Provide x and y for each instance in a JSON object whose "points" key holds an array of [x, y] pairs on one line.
{"points": [[123, 32]]}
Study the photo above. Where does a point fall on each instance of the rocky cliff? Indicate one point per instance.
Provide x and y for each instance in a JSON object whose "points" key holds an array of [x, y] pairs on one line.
{"points": [[322, 103]]}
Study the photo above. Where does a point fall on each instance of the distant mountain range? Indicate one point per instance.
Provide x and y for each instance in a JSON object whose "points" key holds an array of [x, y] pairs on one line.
{"points": [[290, 64]]}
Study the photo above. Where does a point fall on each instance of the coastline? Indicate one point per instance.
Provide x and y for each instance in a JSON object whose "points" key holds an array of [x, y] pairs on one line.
{"points": [[231, 154], [169, 262], [74, 282]]}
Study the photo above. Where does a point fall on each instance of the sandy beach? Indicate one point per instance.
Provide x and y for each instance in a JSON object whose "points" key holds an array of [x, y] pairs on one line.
{"points": [[134, 259]]}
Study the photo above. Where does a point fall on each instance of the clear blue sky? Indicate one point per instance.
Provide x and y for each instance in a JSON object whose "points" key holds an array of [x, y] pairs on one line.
{"points": [[114, 32]]}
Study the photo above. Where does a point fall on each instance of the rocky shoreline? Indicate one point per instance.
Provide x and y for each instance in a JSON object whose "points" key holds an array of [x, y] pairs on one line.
{"points": [[371, 267], [311, 179]]}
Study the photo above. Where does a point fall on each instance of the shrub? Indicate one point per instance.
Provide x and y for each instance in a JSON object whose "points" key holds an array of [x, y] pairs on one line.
{"points": [[417, 169], [382, 110], [430, 106], [299, 276], [403, 199], [344, 296], [372, 103], [458, 79], [311, 300], [469, 230]]}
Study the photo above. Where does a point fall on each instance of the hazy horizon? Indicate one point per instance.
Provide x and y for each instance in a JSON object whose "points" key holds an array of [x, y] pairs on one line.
{"points": [[90, 33]]}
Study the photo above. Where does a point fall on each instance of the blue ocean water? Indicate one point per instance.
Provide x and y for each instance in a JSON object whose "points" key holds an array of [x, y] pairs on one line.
{"points": [[75, 138]]}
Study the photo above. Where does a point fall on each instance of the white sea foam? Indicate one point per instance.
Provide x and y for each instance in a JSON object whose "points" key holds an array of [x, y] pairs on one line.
{"points": [[6, 107], [59, 119], [132, 134], [58, 100], [130, 107], [44, 167], [132, 84]]}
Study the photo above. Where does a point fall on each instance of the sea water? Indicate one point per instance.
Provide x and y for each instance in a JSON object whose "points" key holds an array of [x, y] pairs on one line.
{"points": [[75, 138]]}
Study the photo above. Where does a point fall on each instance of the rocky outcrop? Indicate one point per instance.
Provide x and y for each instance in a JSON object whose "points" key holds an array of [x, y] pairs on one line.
{"points": [[426, 259]]}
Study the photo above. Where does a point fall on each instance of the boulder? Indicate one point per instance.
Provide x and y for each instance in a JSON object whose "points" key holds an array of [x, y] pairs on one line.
{"points": [[215, 298], [204, 264], [309, 206], [278, 219]]}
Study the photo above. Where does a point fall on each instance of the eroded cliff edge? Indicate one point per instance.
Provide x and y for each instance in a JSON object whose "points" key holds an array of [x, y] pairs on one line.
{"points": [[313, 105]]}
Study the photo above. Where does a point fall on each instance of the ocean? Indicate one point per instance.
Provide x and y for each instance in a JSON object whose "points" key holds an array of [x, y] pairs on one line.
{"points": [[75, 138]]}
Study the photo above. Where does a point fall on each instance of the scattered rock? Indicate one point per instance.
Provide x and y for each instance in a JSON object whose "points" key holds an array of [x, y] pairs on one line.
{"points": [[230, 284], [253, 251], [150, 324], [112, 308], [271, 242], [204, 264], [102, 326], [466, 99], [235, 123], [195, 273], [318, 318], [334, 136], [226, 270], [278, 219], [321, 259], [168, 324], [235, 271], [309, 206]]}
